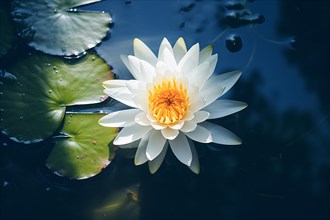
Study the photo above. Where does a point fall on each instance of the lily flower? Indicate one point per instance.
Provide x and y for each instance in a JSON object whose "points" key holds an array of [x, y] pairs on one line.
{"points": [[171, 99]]}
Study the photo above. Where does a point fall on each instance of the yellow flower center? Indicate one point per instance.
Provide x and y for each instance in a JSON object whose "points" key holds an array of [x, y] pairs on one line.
{"points": [[168, 102]]}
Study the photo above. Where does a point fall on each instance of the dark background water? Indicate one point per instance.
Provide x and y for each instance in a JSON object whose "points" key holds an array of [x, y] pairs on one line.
{"points": [[282, 169]]}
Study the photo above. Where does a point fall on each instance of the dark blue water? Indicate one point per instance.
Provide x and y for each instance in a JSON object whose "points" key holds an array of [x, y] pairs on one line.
{"points": [[282, 169]]}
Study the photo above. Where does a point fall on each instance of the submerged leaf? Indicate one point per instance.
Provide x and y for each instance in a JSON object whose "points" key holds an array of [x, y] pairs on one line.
{"points": [[54, 27], [85, 151], [35, 91]]}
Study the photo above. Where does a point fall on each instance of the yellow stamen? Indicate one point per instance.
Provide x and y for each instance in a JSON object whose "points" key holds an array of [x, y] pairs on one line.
{"points": [[168, 102]]}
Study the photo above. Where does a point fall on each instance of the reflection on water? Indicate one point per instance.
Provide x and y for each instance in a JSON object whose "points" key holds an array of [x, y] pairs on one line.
{"points": [[280, 171]]}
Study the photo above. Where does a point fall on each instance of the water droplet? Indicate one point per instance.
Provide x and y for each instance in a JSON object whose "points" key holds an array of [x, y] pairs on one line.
{"points": [[21, 117], [93, 58], [1, 93], [234, 43], [48, 64], [23, 94], [2, 110], [61, 79], [76, 56], [54, 68], [56, 71], [55, 10], [1, 120], [50, 91], [72, 10]]}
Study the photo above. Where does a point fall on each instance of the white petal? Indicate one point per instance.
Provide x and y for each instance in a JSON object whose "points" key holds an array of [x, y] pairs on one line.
{"points": [[221, 135], [177, 126], [189, 115], [179, 49], [212, 61], [126, 62], [197, 104], [222, 108], [190, 60], [147, 71], [141, 119], [114, 83], [188, 126], [169, 60], [156, 125], [201, 116], [164, 45], [143, 52], [129, 134], [169, 133], [155, 145], [181, 149], [141, 100], [205, 54], [134, 144], [196, 75], [122, 118], [135, 86], [140, 155], [226, 80], [194, 166], [121, 94], [193, 90], [155, 164], [211, 93], [135, 64], [162, 71], [200, 134]]}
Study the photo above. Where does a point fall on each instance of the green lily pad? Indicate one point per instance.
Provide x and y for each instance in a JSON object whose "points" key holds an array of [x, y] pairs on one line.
{"points": [[36, 90], [55, 27], [86, 150], [6, 31]]}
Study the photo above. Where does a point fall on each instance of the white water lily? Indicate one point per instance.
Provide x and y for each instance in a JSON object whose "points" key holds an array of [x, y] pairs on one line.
{"points": [[171, 97]]}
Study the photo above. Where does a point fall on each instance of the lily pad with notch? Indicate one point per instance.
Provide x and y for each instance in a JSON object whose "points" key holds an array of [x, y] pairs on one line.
{"points": [[56, 27], [85, 149], [36, 90]]}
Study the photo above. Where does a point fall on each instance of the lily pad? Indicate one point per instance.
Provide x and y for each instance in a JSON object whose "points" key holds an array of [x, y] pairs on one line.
{"points": [[6, 31], [36, 90], [56, 27], [86, 150]]}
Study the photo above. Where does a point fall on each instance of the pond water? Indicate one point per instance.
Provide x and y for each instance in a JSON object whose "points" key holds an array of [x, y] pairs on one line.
{"points": [[282, 168]]}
